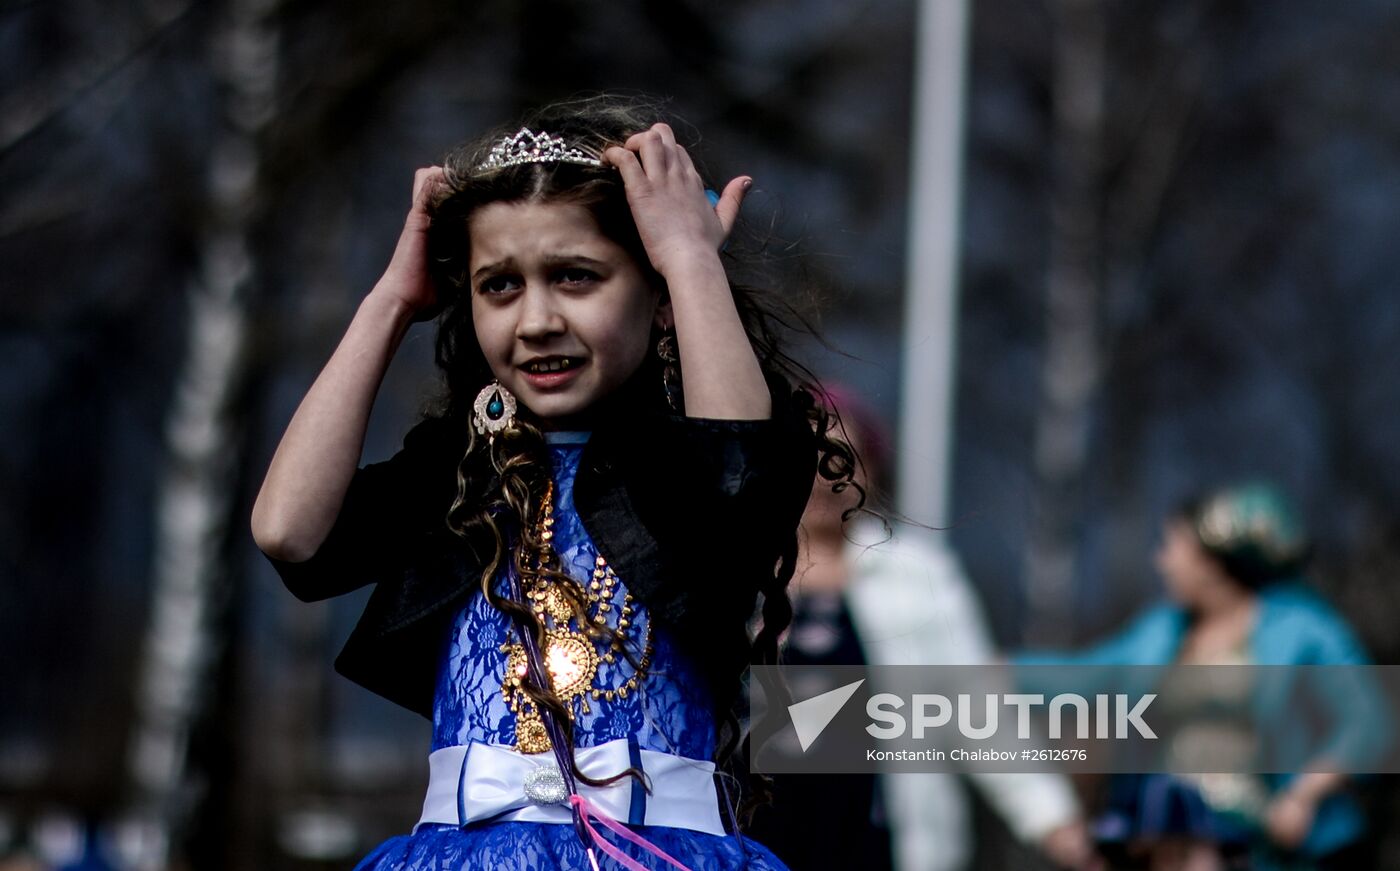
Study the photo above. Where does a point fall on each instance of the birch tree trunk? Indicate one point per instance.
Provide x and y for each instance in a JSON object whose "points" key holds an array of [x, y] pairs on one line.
{"points": [[197, 497], [1072, 365]]}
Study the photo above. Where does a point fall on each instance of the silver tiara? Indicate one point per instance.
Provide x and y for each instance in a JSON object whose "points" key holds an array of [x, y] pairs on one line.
{"points": [[530, 147]]}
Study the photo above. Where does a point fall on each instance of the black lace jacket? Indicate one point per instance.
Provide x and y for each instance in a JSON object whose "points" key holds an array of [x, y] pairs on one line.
{"points": [[692, 513]]}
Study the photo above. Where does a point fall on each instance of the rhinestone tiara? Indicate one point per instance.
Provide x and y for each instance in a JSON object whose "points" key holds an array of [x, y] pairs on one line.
{"points": [[528, 146]]}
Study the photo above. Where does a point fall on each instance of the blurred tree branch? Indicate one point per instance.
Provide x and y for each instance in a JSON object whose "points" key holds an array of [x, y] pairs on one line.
{"points": [[26, 110]]}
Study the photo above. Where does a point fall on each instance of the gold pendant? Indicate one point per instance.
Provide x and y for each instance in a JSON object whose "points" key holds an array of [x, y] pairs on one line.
{"points": [[556, 604], [572, 662], [571, 659], [530, 733]]}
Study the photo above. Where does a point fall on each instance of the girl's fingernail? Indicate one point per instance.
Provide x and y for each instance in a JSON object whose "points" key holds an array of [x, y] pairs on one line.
{"points": [[748, 183]]}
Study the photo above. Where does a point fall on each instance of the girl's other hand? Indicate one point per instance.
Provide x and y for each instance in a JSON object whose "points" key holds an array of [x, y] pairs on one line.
{"points": [[674, 217], [1069, 846], [1290, 817], [407, 280]]}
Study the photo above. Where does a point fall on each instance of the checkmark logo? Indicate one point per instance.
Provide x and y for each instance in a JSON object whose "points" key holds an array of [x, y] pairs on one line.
{"points": [[811, 717]]}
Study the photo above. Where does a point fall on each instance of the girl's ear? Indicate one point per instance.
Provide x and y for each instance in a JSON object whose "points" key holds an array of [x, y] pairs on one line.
{"points": [[664, 319]]}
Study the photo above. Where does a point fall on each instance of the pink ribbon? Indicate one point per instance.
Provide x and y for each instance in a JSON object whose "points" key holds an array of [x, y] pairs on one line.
{"points": [[588, 810]]}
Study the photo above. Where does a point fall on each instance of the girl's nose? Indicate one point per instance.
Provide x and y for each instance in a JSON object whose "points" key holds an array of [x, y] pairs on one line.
{"points": [[539, 314]]}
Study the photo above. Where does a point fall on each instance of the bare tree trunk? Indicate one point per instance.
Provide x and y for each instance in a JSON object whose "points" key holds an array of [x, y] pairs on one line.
{"points": [[1073, 352], [197, 494]]}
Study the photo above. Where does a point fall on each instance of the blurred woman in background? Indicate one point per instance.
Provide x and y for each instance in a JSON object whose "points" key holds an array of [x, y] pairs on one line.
{"points": [[1231, 563]]}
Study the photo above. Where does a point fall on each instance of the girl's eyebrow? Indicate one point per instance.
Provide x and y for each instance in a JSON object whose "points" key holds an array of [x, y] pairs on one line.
{"points": [[491, 268], [552, 262], [574, 260]]}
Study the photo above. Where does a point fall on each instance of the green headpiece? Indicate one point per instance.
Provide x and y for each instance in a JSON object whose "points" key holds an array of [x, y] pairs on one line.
{"points": [[1254, 531]]}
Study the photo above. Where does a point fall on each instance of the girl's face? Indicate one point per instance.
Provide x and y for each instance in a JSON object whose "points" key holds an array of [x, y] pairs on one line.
{"points": [[563, 314]]}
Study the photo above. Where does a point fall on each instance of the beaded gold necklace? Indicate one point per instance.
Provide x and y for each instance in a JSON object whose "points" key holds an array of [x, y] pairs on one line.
{"points": [[570, 655]]}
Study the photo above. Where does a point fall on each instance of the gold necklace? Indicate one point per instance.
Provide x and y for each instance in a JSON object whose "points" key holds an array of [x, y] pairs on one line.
{"points": [[570, 656]]}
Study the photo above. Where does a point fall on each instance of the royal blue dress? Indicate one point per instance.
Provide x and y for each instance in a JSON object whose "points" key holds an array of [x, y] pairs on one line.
{"points": [[671, 713]]}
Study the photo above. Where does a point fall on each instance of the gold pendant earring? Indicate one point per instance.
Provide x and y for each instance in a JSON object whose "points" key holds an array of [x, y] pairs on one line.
{"points": [[667, 350]]}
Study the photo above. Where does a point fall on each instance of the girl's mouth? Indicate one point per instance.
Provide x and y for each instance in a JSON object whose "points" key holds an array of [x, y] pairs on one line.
{"points": [[552, 364], [546, 372]]}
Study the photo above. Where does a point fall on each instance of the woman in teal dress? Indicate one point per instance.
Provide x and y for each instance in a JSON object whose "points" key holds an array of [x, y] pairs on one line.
{"points": [[1232, 564]]}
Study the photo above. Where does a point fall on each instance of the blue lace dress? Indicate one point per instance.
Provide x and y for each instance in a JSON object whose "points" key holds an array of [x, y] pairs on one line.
{"points": [[670, 713]]}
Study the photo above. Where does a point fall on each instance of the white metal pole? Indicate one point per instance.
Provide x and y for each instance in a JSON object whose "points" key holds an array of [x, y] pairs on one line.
{"points": [[931, 282]]}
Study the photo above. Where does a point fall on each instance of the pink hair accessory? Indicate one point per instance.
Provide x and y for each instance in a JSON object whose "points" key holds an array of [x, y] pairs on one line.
{"points": [[587, 810]]}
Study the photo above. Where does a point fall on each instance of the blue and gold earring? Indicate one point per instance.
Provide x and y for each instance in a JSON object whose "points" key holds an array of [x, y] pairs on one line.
{"points": [[493, 411]]}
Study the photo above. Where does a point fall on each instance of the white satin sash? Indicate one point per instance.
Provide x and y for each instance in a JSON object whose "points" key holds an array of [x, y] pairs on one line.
{"points": [[482, 781]]}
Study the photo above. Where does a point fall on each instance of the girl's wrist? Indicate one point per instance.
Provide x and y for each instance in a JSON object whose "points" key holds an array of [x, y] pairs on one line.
{"points": [[385, 306], [1307, 789], [698, 261]]}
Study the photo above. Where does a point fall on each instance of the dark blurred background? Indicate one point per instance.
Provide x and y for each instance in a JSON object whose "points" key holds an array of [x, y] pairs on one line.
{"points": [[1178, 267]]}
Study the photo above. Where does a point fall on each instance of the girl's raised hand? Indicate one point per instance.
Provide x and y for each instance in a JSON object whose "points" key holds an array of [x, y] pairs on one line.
{"points": [[407, 280], [674, 217]]}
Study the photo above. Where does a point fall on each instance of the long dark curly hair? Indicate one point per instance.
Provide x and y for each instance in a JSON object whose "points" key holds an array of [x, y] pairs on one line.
{"points": [[501, 482]]}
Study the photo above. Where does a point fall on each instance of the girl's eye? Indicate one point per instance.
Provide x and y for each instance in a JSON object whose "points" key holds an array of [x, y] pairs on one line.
{"points": [[497, 284], [577, 275]]}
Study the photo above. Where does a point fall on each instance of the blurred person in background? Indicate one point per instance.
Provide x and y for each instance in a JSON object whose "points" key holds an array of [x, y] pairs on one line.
{"points": [[1232, 564], [864, 596]]}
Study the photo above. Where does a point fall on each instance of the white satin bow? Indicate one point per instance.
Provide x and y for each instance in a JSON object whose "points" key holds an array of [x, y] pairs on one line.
{"points": [[480, 781]]}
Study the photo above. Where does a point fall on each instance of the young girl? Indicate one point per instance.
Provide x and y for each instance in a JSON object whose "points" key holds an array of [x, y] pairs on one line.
{"points": [[566, 553]]}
